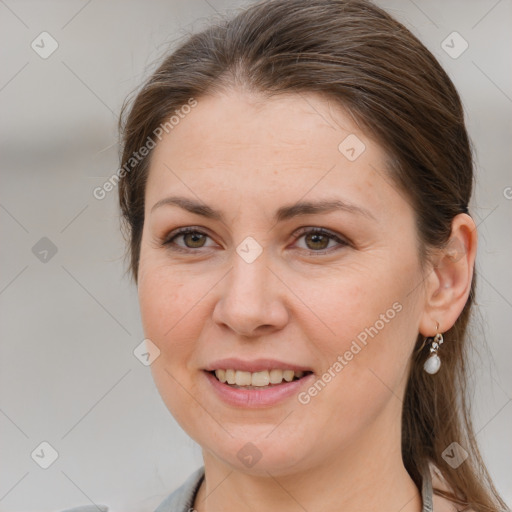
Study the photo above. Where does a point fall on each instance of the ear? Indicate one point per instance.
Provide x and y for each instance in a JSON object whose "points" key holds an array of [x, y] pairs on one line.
{"points": [[448, 284]]}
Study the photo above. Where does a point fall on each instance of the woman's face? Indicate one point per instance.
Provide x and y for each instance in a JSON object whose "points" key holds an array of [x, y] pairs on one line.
{"points": [[253, 283]]}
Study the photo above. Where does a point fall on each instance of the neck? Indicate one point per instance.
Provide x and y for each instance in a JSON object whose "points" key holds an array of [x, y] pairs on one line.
{"points": [[366, 476]]}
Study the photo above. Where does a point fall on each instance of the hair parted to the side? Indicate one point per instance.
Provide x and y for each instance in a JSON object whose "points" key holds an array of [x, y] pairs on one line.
{"points": [[355, 54]]}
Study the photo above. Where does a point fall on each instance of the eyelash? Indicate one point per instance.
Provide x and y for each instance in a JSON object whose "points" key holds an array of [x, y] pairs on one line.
{"points": [[302, 232]]}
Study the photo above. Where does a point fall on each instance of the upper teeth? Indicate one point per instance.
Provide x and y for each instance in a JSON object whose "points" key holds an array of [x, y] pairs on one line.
{"points": [[263, 378]]}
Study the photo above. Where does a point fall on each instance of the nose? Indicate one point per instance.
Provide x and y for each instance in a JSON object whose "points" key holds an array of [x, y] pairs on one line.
{"points": [[252, 299]]}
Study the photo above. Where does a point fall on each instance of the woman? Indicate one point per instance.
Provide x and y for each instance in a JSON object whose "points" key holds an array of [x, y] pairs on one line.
{"points": [[295, 193]]}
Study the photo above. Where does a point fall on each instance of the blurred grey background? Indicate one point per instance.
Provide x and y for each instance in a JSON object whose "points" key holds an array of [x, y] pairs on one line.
{"points": [[69, 319]]}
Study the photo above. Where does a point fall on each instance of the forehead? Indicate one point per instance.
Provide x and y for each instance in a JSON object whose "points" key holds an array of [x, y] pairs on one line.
{"points": [[287, 145], [242, 122]]}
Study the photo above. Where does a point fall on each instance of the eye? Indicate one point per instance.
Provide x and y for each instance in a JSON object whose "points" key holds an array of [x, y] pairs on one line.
{"points": [[192, 238], [317, 240]]}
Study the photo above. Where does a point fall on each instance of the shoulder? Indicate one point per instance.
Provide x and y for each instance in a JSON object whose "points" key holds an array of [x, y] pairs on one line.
{"points": [[440, 503], [182, 499], [87, 508]]}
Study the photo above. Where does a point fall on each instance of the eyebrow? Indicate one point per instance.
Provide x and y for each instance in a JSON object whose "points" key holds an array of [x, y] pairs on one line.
{"points": [[282, 214]]}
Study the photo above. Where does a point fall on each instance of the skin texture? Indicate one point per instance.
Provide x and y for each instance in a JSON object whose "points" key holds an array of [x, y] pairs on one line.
{"points": [[247, 157]]}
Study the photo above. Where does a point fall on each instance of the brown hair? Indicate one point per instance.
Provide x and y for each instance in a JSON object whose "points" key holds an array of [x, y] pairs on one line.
{"points": [[356, 54]]}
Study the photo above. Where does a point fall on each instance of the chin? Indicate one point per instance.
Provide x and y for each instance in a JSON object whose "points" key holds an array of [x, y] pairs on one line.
{"points": [[257, 456]]}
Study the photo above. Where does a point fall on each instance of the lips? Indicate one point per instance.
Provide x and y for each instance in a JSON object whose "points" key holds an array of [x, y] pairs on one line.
{"points": [[263, 394], [257, 396], [256, 365], [263, 378]]}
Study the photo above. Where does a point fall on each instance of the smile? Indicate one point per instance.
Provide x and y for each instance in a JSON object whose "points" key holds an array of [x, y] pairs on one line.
{"points": [[256, 396], [254, 380]]}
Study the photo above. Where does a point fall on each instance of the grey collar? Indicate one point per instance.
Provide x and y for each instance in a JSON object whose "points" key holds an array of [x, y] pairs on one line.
{"points": [[182, 499]]}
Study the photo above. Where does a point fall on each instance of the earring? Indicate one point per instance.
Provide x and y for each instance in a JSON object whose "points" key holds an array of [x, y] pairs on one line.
{"points": [[433, 363]]}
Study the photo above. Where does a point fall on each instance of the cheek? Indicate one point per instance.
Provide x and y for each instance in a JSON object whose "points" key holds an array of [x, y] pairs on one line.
{"points": [[166, 304], [366, 359], [369, 318], [169, 308]]}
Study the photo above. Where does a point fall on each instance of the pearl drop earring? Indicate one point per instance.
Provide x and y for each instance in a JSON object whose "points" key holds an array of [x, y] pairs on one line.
{"points": [[433, 363]]}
